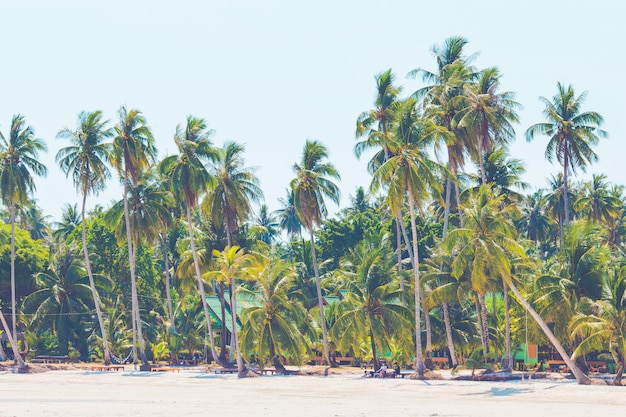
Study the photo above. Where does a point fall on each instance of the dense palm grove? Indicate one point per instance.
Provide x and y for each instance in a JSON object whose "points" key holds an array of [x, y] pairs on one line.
{"points": [[444, 253]]}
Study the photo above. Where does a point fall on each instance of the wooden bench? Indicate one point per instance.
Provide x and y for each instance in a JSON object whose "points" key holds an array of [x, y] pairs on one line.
{"points": [[109, 368], [165, 369], [597, 366], [226, 370], [51, 359], [557, 366], [440, 361]]}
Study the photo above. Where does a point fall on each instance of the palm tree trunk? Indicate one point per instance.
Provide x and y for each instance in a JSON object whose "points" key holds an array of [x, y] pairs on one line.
{"points": [[170, 308], [399, 250], [96, 298], [133, 282], [205, 306], [375, 360], [16, 352], [484, 318], [446, 312], [578, 374], [320, 300], [242, 371], [13, 302], [419, 363], [507, 325], [223, 335], [565, 187], [480, 321], [448, 325]]}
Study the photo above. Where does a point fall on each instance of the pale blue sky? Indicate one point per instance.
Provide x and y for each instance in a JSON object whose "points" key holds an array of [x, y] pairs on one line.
{"points": [[270, 74]]}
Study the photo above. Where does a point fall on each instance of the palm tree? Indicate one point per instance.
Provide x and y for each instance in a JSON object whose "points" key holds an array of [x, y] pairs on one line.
{"points": [[85, 160], [571, 134], [602, 324], [268, 225], [488, 113], [230, 264], [409, 172], [274, 322], [133, 152], [62, 302], [598, 201], [374, 126], [18, 162], [190, 179], [287, 217], [70, 220], [374, 308], [230, 204], [21, 365], [312, 183]]}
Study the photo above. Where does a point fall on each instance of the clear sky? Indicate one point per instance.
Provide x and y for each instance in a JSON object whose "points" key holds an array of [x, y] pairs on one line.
{"points": [[271, 74]]}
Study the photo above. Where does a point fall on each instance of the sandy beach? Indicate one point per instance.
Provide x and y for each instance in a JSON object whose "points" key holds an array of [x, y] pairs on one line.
{"points": [[193, 392]]}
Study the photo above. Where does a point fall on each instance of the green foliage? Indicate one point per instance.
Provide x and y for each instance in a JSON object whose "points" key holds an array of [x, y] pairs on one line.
{"points": [[31, 257]]}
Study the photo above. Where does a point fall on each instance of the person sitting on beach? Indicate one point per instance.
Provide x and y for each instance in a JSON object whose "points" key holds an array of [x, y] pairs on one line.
{"points": [[396, 368], [382, 371]]}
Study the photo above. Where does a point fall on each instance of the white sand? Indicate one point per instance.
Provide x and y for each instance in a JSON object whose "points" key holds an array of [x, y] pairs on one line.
{"points": [[194, 393]]}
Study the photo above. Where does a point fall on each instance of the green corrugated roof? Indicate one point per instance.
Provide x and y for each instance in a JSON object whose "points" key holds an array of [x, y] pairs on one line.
{"points": [[244, 300]]}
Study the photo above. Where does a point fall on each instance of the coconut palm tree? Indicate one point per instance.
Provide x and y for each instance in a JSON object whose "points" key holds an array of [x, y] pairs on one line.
{"points": [[571, 133], [287, 217], [230, 264], [598, 202], [70, 220], [268, 225], [21, 365], [86, 161], [63, 301], [374, 308], [275, 322], [489, 113], [189, 180], [601, 324], [19, 163], [312, 183], [411, 173], [229, 203], [133, 152]]}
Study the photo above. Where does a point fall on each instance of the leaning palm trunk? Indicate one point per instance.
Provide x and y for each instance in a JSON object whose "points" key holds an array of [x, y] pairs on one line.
{"points": [[3, 354], [16, 353], [133, 282], [578, 374], [205, 306], [96, 298], [320, 300], [419, 363]]}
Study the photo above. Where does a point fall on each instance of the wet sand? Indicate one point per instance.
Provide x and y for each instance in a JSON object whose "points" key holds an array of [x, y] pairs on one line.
{"points": [[196, 393]]}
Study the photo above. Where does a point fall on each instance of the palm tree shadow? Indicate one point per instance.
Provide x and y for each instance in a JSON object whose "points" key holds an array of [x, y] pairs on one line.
{"points": [[505, 392]]}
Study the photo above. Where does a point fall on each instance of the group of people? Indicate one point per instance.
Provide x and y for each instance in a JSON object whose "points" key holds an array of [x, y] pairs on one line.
{"points": [[383, 371]]}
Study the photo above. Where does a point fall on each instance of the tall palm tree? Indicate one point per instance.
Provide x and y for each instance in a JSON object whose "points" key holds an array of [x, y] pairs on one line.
{"points": [[133, 152], [85, 160], [409, 173], [189, 180], [268, 224], [18, 163], [488, 112], [70, 220], [373, 126], [571, 133], [313, 182], [229, 203]]}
